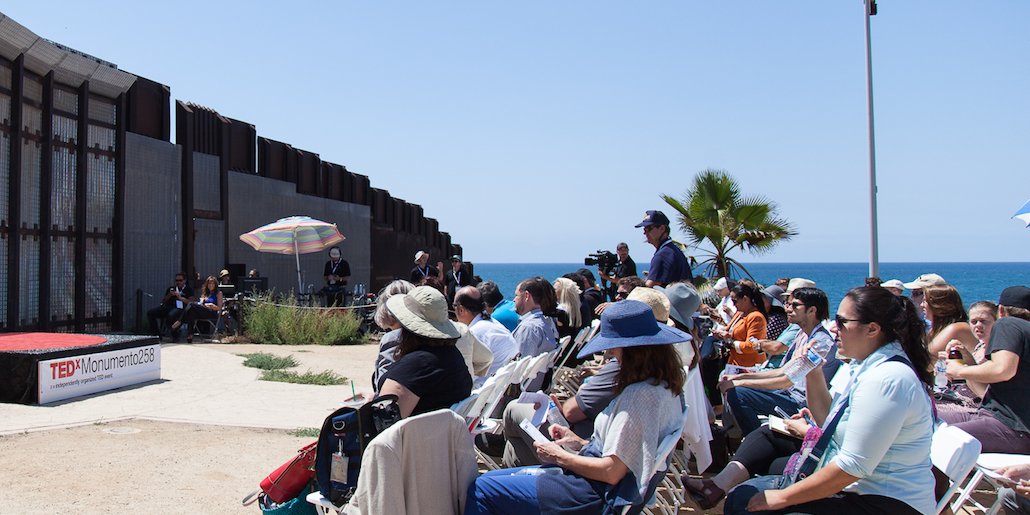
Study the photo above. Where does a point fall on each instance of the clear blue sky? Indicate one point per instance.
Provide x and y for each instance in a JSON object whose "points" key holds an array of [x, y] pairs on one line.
{"points": [[540, 131]]}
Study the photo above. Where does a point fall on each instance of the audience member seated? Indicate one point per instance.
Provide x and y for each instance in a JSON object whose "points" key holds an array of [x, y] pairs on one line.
{"points": [[762, 452], [592, 296], [174, 301], [879, 428], [755, 394], [569, 319], [336, 273], [430, 373], [745, 329], [470, 310], [1001, 422], [622, 289], [948, 319], [389, 341], [498, 307], [615, 464], [536, 305], [207, 307], [776, 315]]}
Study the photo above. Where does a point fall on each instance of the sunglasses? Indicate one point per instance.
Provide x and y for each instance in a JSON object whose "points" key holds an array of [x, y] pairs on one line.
{"points": [[841, 321], [622, 294], [796, 305]]}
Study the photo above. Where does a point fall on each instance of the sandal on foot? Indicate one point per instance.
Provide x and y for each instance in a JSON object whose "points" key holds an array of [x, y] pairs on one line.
{"points": [[707, 496]]}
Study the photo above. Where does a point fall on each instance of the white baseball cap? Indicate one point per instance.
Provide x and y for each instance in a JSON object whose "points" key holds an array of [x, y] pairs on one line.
{"points": [[925, 280], [419, 254]]}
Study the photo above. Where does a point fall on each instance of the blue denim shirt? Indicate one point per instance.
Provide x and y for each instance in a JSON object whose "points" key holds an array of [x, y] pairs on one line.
{"points": [[884, 435]]}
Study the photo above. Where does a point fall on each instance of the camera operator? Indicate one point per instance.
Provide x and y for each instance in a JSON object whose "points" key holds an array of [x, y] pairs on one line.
{"points": [[669, 264], [626, 267]]}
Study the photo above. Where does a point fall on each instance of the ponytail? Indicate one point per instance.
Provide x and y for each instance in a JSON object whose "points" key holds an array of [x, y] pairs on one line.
{"points": [[899, 321]]}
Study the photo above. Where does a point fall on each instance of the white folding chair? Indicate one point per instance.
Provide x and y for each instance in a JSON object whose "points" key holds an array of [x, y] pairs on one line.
{"points": [[323, 506], [987, 461], [954, 452]]}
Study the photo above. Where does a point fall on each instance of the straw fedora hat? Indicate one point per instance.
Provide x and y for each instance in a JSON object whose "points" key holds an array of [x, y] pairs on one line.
{"points": [[423, 311]]}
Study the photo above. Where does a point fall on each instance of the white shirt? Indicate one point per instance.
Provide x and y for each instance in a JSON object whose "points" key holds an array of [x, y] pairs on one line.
{"points": [[498, 339]]}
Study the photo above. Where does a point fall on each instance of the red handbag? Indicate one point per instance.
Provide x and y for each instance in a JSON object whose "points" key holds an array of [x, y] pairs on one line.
{"points": [[285, 482]]}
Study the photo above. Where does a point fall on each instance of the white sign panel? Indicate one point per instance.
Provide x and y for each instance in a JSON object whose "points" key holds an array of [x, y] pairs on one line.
{"points": [[64, 378]]}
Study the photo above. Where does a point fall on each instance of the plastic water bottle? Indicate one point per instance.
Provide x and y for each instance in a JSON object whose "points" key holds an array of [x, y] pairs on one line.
{"points": [[940, 379], [797, 369]]}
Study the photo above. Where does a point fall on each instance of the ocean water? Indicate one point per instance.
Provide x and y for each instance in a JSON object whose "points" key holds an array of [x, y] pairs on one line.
{"points": [[974, 281]]}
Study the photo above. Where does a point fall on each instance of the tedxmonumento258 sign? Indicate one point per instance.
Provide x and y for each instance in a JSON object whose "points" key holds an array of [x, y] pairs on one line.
{"points": [[64, 378]]}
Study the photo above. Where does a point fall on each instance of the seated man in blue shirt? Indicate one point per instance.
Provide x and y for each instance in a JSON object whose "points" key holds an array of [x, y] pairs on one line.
{"points": [[535, 303], [498, 307], [668, 265], [760, 393]]}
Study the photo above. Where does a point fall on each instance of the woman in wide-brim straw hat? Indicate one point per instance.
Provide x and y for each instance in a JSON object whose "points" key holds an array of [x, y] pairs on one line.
{"points": [[613, 467], [430, 373]]}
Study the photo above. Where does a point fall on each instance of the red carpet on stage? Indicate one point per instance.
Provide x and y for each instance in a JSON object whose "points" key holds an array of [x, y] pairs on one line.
{"points": [[33, 341]]}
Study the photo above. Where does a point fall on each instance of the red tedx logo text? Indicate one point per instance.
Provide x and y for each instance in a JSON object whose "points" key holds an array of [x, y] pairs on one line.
{"points": [[63, 369]]}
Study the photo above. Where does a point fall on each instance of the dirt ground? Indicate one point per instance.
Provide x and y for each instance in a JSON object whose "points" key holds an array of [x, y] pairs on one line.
{"points": [[136, 466]]}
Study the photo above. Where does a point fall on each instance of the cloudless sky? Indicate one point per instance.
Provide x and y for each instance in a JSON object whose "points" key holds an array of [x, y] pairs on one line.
{"points": [[540, 131]]}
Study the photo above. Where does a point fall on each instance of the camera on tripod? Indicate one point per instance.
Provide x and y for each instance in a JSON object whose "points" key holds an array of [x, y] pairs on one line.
{"points": [[605, 261]]}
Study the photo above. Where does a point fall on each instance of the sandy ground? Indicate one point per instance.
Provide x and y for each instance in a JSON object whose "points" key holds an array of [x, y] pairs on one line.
{"points": [[114, 453]]}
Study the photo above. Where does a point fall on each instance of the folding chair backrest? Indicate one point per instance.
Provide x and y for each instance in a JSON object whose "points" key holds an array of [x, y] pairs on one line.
{"points": [[954, 452]]}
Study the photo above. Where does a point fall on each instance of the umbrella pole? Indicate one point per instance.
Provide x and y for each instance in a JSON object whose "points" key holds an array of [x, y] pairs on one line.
{"points": [[296, 254]]}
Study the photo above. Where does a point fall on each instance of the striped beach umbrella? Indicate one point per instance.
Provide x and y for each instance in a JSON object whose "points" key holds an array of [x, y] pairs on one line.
{"points": [[1023, 214], [294, 235]]}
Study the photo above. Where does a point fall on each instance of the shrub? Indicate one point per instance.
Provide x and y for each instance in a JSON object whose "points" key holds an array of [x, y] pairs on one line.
{"points": [[325, 377], [283, 322], [266, 361]]}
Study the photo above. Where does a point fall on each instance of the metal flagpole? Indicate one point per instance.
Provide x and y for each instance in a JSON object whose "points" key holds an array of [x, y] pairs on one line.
{"points": [[874, 259]]}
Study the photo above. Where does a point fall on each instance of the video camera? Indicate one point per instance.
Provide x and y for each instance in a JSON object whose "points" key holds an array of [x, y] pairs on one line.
{"points": [[605, 261]]}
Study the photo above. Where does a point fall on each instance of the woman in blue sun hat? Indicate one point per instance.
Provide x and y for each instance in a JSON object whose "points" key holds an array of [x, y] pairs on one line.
{"points": [[613, 468]]}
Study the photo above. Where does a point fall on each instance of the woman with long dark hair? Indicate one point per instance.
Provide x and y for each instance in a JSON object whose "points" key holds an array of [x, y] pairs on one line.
{"points": [[747, 327], [877, 430], [618, 459]]}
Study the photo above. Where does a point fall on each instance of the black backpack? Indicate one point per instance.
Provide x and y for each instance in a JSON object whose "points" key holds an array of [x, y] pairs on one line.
{"points": [[344, 436]]}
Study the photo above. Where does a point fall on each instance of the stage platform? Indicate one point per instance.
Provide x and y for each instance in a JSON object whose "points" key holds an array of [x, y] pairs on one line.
{"points": [[40, 368]]}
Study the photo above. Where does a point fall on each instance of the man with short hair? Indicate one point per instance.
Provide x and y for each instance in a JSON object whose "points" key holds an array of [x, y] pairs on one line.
{"points": [[669, 264], [422, 268], [456, 277], [759, 393], [498, 307], [1003, 422], [591, 296], [174, 301], [470, 310], [626, 268], [536, 332]]}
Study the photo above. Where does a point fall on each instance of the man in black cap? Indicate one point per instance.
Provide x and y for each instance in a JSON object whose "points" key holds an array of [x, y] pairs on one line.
{"points": [[668, 265], [456, 277], [1003, 422]]}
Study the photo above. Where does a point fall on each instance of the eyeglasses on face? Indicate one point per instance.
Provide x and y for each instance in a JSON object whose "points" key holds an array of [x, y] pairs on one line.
{"points": [[841, 321], [917, 293], [621, 294], [796, 305]]}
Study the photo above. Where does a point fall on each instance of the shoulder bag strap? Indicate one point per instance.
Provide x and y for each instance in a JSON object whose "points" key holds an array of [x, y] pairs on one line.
{"points": [[815, 456]]}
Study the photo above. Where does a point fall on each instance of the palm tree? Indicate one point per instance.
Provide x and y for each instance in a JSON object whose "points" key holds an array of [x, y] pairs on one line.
{"points": [[713, 210]]}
